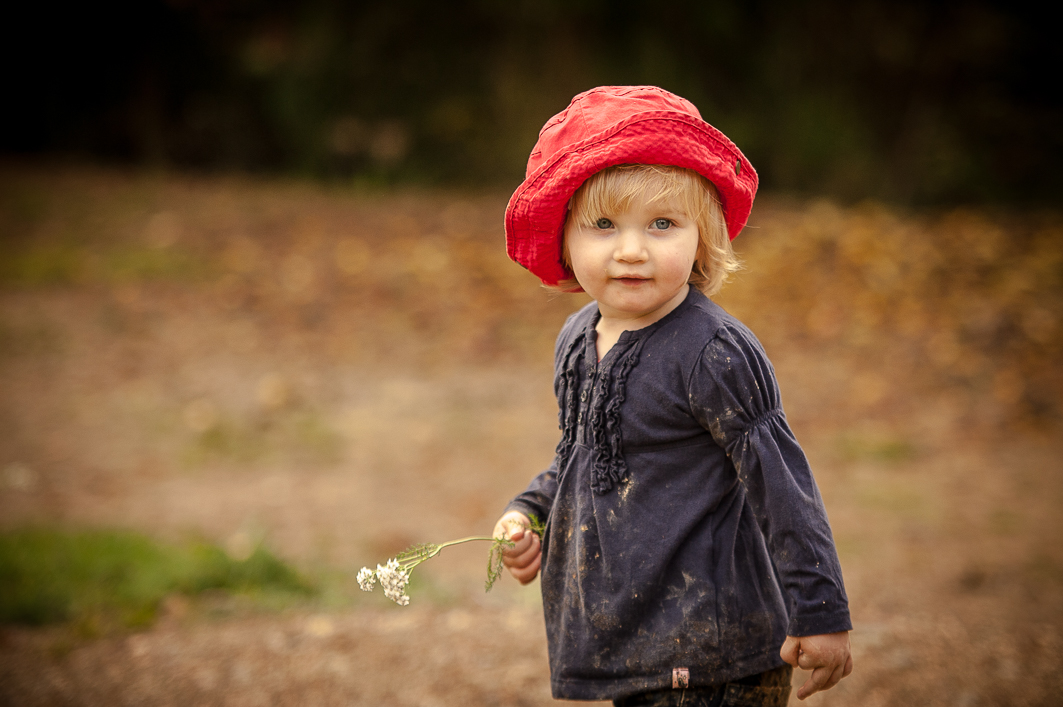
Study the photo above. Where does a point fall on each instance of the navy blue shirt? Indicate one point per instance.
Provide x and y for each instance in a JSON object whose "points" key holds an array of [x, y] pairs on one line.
{"points": [[683, 526]]}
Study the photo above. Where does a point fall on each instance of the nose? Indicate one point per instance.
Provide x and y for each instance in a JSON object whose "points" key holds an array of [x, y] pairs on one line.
{"points": [[630, 246]]}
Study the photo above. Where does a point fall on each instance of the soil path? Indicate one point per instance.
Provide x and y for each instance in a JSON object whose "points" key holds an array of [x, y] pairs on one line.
{"points": [[343, 375]]}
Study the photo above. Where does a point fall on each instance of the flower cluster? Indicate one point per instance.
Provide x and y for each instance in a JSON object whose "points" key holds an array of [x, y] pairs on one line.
{"points": [[394, 576], [393, 580], [366, 579]]}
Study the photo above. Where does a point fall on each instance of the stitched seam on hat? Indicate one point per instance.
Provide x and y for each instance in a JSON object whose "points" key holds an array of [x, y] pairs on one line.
{"points": [[582, 115]]}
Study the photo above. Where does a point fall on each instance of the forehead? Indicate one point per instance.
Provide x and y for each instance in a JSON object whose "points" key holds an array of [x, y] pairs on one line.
{"points": [[648, 184], [647, 200]]}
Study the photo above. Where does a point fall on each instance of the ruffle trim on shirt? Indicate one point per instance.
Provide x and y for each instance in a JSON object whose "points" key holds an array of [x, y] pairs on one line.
{"points": [[610, 468], [568, 401], [609, 391]]}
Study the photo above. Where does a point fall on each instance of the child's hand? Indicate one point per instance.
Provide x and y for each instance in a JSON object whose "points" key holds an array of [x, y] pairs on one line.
{"points": [[523, 558], [828, 656]]}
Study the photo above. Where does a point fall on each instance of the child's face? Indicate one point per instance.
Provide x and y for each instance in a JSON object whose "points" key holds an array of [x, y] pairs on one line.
{"points": [[635, 263]]}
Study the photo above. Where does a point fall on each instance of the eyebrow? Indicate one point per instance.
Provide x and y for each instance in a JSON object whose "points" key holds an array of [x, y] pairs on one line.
{"points": [[671, 211]]}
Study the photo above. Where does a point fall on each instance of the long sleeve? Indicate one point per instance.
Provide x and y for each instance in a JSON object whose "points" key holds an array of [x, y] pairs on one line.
{"points": [[538, 498], [734, 395]]}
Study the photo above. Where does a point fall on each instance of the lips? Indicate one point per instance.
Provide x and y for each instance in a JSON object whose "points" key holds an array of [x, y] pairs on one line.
{"points": [[631, 279]]}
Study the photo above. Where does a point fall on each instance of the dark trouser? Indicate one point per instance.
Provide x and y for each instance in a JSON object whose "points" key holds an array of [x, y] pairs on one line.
{"points": [[770, 689]]}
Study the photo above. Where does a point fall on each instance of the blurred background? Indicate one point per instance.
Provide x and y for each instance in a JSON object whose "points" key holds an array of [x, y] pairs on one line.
{"points": [[914, 102], [258, 329]]}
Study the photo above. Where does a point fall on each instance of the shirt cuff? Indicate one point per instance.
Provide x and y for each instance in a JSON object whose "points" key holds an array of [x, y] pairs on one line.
{"points": [[819, 624]]}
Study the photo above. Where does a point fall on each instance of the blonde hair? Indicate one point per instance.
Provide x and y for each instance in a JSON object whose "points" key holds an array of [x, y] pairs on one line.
{"points": [[612, 189]]}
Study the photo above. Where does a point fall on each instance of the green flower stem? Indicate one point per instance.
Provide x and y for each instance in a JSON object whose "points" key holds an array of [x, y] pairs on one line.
{"points": [[408, 559]]}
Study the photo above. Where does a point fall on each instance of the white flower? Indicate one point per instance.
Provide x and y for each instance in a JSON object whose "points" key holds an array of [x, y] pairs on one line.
{"points": [[366, 579], [393, 581]]}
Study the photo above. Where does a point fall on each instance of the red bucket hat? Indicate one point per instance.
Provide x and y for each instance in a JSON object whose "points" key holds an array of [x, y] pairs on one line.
{"points": [[613, 125]]}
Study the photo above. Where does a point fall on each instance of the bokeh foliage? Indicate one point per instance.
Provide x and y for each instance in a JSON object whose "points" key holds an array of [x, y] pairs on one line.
{"points": [[907, 101], [101, 577]]}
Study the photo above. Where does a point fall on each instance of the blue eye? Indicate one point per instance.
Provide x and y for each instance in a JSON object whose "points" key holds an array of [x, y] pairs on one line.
{"points": [[603, 224], [662, 224]]}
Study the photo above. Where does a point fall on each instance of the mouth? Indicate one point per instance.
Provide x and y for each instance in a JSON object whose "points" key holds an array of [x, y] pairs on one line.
{"points": [[631, 279]]}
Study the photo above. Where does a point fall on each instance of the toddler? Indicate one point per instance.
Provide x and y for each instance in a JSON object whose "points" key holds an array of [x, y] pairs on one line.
{"points": [[686, 556]]}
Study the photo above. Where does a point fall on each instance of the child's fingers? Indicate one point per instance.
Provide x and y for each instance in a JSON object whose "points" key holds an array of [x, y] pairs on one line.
{"points": [[525, 566], [522, 553], [521, 541], [820, 679], [824, 677], [511, 526], [790, 651], [808, 688], [836, 677], [527, 574]]}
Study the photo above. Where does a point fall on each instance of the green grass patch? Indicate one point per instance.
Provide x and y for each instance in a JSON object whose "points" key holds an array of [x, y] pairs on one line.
{"points": [[296, 434], [49, 265], [68, 264], [227, 440], [898, 499], [97, 577], [132, 264]]}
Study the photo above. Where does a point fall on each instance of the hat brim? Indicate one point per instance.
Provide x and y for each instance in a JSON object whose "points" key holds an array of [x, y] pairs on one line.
{"points": [[536, 213]]}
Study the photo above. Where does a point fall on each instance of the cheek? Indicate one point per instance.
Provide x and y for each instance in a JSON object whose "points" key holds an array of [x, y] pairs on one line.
{"points": [[586, 271], [581, 256], [681, 261], [688, 255]]}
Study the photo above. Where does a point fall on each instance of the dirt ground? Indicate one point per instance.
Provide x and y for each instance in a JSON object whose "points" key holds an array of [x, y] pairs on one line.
{"points": [[340, 374]]}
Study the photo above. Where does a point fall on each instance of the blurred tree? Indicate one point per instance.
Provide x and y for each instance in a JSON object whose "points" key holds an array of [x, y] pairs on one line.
{"points": [[909, 101]]}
